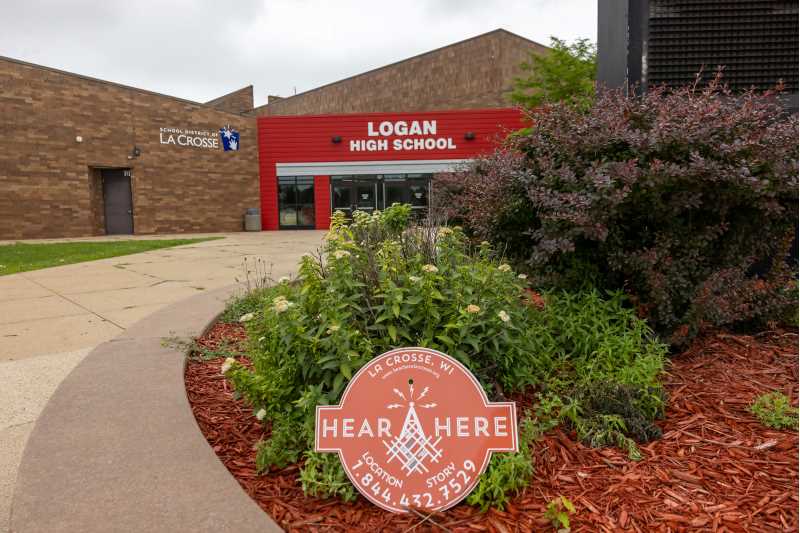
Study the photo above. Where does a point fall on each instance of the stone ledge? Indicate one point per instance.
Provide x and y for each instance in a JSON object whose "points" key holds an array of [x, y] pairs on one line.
{"points": [[117, 447]]}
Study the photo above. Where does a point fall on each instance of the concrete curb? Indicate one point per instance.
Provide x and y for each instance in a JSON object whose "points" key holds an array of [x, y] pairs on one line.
{"points": [[117, 447]]}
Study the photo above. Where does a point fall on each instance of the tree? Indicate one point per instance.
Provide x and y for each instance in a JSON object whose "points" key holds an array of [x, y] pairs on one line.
{"points": [[564, 73]]}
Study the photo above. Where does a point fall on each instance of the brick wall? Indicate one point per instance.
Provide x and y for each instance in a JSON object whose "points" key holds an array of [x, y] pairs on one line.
{"points": [[239, 102], [49, 185], [476, 73]]}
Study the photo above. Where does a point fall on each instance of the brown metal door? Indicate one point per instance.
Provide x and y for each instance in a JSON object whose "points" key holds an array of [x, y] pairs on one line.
{"points": [[117, 200]]}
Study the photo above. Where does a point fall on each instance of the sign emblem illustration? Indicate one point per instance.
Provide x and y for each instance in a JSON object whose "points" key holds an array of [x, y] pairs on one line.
{"points": [[229, 138], [415, 429]]}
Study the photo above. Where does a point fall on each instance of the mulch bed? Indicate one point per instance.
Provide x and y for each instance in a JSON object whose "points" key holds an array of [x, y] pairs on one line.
{"points": [[715, 469]]}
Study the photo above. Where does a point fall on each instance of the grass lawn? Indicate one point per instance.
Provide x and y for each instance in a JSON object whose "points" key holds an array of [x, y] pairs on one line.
{"points": [[21, 257]]}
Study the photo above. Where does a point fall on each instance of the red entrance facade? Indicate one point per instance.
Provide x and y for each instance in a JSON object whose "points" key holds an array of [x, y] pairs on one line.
{"points": [[310, 166]]}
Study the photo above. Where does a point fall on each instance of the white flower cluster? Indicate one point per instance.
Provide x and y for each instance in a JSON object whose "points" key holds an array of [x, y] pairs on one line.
{"points": [[283, 279], [281, 304], [247, 317], [430, 269], [414, 279], [339, 254], [473, 309], [523, 277], [261, 414], [505, 267], [445, 231], [226, 365], [504, 316], [333, 329]]}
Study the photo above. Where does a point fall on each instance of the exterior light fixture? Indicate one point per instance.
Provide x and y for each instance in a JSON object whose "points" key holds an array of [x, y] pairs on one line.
{"points": [[136, 152], [470, 135], [336, 139]]}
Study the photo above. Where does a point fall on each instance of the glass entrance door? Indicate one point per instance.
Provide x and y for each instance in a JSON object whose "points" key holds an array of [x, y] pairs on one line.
{"points": [[411, 189], [350, 194], [296, 202], [368, 193]]}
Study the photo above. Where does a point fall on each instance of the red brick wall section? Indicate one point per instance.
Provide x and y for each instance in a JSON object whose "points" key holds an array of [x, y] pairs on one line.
{"points": [[322, 201]]}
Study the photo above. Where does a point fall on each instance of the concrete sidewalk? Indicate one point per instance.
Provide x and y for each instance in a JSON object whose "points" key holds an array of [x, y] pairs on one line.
{"points": [[51, 319]]}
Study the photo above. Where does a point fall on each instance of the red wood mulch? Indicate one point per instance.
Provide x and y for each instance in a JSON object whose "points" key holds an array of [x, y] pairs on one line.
{"points": [[715, 469]]}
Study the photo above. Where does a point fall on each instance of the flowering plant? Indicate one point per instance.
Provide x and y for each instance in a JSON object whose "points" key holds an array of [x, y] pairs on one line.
{"points": [[380, 284]]}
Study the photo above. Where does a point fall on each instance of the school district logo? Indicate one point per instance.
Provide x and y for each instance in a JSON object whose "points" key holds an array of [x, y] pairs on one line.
{"points": [[230, 138], [415, 429]]}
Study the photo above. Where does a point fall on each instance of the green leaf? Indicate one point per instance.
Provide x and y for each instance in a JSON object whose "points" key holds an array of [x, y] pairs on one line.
{"points": [[338, 381], [568, 504], [445, 339], [392, 332], [345, 370]]}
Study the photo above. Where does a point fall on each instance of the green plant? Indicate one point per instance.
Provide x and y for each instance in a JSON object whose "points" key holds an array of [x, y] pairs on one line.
{"points": [[240, 305], [774, 410], [203, 353], [380, 284], [508, 473], [284, 447], [565, 72], [558, 511], [322, 476], [686, 199]]}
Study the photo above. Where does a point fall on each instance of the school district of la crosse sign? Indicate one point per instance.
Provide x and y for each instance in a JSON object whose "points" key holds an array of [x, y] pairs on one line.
{"points": [[415, 429]]}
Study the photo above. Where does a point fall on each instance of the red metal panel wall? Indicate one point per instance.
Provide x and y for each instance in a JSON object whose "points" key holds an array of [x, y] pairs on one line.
{"points": [[308, 139], [269, 194], [322, 202]]}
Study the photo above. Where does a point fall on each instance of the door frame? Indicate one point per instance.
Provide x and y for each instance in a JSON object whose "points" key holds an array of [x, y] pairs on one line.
{"points": [[314, 206], [127, 172], [354, 181]]}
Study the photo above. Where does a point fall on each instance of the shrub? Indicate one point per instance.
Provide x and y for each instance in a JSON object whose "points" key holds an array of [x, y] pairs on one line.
{"points": [[680, 198], [774, 410], [381, 285]]}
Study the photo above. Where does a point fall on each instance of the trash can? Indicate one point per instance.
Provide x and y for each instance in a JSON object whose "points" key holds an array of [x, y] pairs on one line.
{"points": [[252, 219]]}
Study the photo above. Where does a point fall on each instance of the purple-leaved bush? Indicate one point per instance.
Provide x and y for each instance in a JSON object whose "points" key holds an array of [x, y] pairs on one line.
{"points": [[682, 198]]}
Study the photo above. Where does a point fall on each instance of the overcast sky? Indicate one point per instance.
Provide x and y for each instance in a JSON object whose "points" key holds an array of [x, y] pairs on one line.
{"points": [[203, 49]]}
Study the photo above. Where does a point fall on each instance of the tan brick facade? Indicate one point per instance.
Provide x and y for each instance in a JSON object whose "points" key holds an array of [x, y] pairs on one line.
{"points": [[50, 183], [239, 101], [61, 129], [471, 74]]}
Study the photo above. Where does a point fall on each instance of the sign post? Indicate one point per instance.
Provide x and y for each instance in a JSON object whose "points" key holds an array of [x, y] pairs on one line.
{"points": [[415, 430]]}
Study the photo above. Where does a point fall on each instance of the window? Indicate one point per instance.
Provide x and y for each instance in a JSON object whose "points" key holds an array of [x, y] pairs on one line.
{"points": [[370, 192], [296, 201]]}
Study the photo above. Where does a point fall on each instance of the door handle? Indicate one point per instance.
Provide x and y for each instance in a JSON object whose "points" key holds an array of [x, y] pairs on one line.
{"points": [[130, 211]]}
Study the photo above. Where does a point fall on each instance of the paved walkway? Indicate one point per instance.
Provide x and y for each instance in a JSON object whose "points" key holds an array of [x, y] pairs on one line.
{"points": [[51, 319]]}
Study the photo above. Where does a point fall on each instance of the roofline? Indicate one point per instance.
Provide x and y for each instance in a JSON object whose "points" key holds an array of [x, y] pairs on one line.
{"points": [[371, 114], [395, 63], [228, 94], [113, 84]]}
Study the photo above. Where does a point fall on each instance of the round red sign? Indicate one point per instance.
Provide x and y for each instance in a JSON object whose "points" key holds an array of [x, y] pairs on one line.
{"points": [[415, 429]]}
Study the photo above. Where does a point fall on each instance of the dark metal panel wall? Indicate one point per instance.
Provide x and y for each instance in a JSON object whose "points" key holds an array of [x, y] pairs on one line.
{"points": [[755, 40]]}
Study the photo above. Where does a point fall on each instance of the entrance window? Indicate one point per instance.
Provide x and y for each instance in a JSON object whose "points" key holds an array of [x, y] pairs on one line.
{"points": [[367, 193], [354, 193], [296, 201], [407, 189]]}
